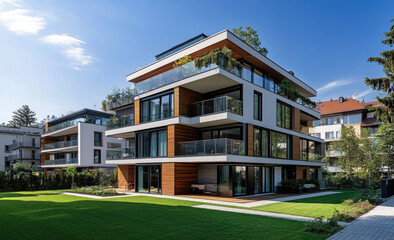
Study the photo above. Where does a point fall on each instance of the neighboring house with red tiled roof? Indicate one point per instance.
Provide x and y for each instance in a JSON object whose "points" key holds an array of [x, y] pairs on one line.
{"points": [[337, 114]]}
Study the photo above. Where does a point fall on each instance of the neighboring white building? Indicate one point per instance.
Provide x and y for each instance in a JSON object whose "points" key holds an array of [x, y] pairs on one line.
{"points": [[77, 139], [19, 145]]}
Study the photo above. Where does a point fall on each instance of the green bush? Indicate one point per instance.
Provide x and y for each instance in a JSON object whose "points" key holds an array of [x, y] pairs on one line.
{"points": [[358, 208], [320, 226], [96, 190], [296, 186]]}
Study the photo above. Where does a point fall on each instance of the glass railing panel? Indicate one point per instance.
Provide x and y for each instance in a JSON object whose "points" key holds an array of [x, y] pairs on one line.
{"points": [[220, 146], [120, 153], [258, 80], [61, 144], [216, 105], [61, 161], [120, 122]]}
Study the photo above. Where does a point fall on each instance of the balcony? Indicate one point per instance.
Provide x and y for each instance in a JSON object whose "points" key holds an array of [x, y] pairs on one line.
{"points": [[217, 105], [189, 70], [124, 101], [120, 153], [24, 156], [62, 144], [63, 125], [119, 122], [23, 145], [61, 161], [221, 146]]}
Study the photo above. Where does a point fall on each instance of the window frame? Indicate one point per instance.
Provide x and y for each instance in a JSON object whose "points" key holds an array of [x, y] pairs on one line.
{"points": [[99, 156], [101, 139], [259, 106], [282, 114]]}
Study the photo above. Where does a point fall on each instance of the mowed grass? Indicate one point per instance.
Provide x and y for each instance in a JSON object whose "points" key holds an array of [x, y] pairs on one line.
{"points": [[323, 206], [49, 215]]}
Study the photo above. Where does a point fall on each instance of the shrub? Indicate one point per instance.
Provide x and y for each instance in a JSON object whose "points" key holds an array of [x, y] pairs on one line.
{"points": [[358, 209], [296, 186], [96, 190], [320, 226]]}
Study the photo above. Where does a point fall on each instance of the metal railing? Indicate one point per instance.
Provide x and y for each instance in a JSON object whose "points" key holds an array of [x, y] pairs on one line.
{"points": [[23, 145], [120, 153], [24, 156], [61, 144], [220, 146], [216, 105], [61, 161]]}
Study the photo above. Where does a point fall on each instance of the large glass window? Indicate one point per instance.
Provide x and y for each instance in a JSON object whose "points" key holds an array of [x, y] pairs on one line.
{"points": [[260, 143], [257, 180], [279, 145], [239, 180], [304, 149], [329, 135], [149, 179], [352, 119], [97, 156], [143, 179], [232, 133], [283, 115], [224, 186], [152, 144], [257, 142], [98, 140], [157, 108], [257, 106]]}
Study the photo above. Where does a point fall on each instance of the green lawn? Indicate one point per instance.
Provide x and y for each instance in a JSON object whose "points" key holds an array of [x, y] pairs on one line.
{"points": [[311, 207], [48, 215]]}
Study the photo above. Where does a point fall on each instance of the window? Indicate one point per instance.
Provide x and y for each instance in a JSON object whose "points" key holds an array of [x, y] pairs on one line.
{"points": [[33, 142], [283, 115], [97, 156], [370, 115], [318, 135], [316, 123], [260, 143], [152, 144], [279, 145], [304, 149], [232, 133], [257, 106], [160, 107], [329, 135], [352, 119], [98, 141]]}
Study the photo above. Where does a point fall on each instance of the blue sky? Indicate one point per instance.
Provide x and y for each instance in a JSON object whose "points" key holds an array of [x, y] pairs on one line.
{"points": [[61, 56]]}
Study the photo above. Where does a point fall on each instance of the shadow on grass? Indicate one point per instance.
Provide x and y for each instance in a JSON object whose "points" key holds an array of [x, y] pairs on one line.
{"points": [[24, 194], [97, 219]]}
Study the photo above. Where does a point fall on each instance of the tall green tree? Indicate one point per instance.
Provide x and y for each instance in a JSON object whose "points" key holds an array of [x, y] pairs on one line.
{"points": [[251, 37], [385, 146], [371, 162], [385, 85], [24, 116]]}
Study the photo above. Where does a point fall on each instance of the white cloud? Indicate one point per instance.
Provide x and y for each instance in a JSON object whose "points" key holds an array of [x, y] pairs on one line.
{"points": [[363, 94], [72, 48], [62, 40], [334, 84], [14, 3], [23, 21]]}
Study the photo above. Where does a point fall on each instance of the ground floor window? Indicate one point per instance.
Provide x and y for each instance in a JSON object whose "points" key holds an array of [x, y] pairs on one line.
{"points": [[148, 179]]}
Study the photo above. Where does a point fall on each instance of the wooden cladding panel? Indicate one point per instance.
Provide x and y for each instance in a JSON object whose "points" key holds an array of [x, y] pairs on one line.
{"points": [[168, 178], [188, 97], [250, 140], [177, 134], [297, 119], [299, 172], [309, 123], [177, 177], [176, 102], [137, 112], [126, 176], [296, 148]]}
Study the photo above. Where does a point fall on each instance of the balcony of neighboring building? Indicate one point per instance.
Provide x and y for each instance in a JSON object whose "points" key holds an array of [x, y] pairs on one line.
{"points": [[24, 156], [60, 146], [62, 161], [24, 144]]}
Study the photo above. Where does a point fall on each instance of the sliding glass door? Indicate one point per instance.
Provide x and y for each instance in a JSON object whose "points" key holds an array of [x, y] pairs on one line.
{"points": [[239, 180], [149, 179]]}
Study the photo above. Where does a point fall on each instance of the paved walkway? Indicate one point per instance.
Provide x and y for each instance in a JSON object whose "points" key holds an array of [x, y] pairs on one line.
{"points": [[376, 224], [236, 204], [260, 213]]}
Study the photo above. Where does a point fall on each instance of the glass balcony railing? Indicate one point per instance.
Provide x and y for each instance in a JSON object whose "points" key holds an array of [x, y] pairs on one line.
{"points": [[188, 70], [216, 105], [221, 146], [65, 124], [120, 102], [119, 122], [24, 156], [120, 153], [23, 145], [62, 144], [61, 161]]}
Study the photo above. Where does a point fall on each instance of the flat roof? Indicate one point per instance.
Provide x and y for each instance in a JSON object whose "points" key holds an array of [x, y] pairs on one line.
{"points": [[181, 46], [84, 111]]}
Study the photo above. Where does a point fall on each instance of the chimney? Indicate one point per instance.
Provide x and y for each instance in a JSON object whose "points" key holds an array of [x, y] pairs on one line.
{"points": [[341, 99], [292, 73]]}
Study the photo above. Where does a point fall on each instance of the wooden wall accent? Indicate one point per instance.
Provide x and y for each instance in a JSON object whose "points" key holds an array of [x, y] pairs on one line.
{"points": [[250, 139], [297, 119], [176, 134], [176, 101], [187, 97], [137, 111], [299, 170], [126, 177], [309, 124], [296, 148], [177, 177]]}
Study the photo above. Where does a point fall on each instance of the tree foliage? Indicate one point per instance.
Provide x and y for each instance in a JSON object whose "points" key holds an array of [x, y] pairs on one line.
{"points": [[117, 94], [250, 37], [293, 94], [385, 145], [183, 60], [219, 56], [24, 116], [385, 85]]}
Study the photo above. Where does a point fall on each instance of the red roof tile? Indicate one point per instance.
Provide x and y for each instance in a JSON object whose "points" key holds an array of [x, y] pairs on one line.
{"points": [[333, 106]]}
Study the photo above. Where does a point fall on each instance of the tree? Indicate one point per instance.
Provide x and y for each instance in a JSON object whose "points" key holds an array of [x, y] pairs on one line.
{"points": [[385, 85], [385, 146], [370, 158], [23, 117], [117, 94], [251, 37], [71, 171]]}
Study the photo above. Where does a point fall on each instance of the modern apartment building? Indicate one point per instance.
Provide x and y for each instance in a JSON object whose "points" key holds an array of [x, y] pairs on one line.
{"points": [[19, 145], [340, 113], [77, 139], [227, 129]]}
